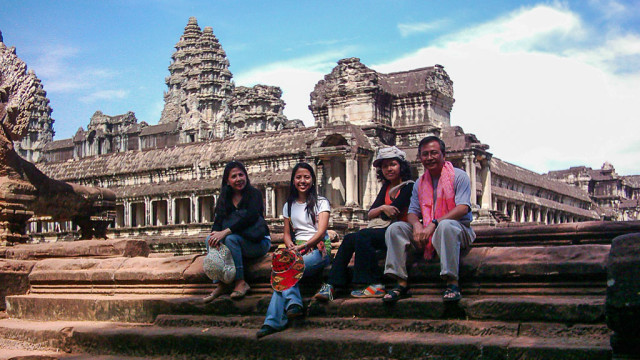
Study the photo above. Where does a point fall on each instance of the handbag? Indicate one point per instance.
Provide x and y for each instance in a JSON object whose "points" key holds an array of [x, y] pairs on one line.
{"points": [[219, 265], [379, 222], [254, 232]]}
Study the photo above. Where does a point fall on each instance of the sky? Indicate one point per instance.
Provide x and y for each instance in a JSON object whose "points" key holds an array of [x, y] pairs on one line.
{"points": [[546, 84]]}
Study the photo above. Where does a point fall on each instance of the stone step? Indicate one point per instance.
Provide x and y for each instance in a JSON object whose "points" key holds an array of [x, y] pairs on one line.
{"points": [[445, 327], [145, 309], [238, 342], [579, 268]]}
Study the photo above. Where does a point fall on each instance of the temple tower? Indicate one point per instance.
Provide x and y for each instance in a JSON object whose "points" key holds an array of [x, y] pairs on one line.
{"points": [[40, 128], [199, 84]]}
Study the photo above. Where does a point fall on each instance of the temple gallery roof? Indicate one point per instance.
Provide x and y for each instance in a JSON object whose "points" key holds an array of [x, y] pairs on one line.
{"points": [[251, 147], [520, 174], [59, 144]]}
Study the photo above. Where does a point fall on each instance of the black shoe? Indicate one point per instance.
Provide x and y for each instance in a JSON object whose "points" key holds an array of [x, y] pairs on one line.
{"points": [[295, 311], [265, 330]]}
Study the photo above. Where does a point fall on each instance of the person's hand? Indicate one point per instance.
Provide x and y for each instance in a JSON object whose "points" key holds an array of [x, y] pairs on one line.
{"points": [[390, 211], [302, 249], [289, 245], [421, 234], [215, 237]]}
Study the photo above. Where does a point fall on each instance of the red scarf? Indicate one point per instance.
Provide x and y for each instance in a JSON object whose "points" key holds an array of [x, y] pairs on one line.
{"points": [[445, 200]]}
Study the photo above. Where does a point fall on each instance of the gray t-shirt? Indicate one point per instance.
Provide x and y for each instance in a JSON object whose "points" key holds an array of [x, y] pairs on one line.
{"points": [[462, 188]]}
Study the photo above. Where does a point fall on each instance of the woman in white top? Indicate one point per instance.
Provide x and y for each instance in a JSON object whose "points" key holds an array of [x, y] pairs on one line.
{"points": [[306, 218]]}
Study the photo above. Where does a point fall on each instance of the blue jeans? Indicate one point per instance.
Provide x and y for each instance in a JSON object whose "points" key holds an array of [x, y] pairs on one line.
{"points": [[281, 300], [240, 248]]}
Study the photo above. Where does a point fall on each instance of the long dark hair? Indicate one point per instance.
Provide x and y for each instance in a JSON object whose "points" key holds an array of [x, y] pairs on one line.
{"points": [[312, 195], [405, 171], [223, 207]]}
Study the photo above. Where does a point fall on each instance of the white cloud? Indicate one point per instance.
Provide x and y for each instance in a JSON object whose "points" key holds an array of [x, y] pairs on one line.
{"points": [[541, 87], [541, 109], [106, 95], [57, 68], [419, 28]]}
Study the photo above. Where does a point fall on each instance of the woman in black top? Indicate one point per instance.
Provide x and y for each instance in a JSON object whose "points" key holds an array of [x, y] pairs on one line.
{"points": [[391, 204], [239, 208]]}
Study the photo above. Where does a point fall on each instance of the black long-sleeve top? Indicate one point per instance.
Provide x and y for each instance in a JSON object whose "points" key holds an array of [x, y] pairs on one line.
{"points": [[251, 202], [401, 202]]}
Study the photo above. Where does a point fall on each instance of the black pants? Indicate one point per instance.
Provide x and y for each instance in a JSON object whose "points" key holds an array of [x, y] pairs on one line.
{"points": [[365, 270]]}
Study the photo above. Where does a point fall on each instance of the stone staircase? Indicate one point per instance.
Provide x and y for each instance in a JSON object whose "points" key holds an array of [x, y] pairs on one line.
{"points": [[544, 299]]}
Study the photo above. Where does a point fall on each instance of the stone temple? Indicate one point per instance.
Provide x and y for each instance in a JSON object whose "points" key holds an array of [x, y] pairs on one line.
{"points": [[168, 175]]}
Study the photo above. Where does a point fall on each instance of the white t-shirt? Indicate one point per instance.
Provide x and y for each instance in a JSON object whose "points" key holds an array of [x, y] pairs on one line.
{"points": [[301, 220]]}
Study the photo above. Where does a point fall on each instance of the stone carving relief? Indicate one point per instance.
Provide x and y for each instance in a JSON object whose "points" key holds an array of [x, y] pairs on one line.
{"points": [[439, 80], [25, 190]]}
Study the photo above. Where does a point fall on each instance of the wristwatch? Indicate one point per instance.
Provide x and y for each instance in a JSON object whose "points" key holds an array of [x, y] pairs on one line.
{"points": [[435, 222]]}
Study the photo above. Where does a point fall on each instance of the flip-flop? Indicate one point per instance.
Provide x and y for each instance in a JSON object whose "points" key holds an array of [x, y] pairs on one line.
{"points": [[452, 294]]}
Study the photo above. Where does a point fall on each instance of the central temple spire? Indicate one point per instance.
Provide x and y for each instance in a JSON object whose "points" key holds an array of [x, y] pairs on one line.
{"points": [[199, 82]]}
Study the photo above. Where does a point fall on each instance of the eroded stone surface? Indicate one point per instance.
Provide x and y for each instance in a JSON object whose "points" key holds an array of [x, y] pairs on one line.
{"points": [[623, 294], [86, 248], [14, 277]]}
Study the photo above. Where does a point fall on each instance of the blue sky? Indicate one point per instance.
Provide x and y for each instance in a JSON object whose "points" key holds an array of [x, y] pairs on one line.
{"points": [[547, 84]]}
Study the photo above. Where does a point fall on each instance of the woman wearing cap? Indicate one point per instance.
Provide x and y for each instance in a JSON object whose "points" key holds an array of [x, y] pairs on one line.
{"points": [[306, 218], [239, 224], [391, 204]]}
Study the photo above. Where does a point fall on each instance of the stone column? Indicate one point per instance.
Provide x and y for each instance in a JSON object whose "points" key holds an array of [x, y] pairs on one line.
{"points": [[472, 178], [521, 210], [512, 211], [196, 208], [351, 182], [170, 206], [127, 213], [467, 160], [485, 175], [192, 204], [148, 212], [270, 202]]}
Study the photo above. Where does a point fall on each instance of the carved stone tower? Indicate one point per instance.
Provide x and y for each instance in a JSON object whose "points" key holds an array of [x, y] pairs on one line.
{"points": [[199, 84], [40, 128]]}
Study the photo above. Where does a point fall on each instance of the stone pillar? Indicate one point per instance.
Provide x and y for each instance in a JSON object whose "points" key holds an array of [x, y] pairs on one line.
{"points": [[351, 182], [467, 160], [196, 208], [521, 210], [127, 213], [170, 206], [270, 200], [512, 211], [192, 206], [148, 212], [472, 178], [485, 175]]}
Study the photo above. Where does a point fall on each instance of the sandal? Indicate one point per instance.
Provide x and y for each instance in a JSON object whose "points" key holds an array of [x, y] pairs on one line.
{"points": [[219, 291], [239, 294], [371, 291], [452, 293], [396, 293]]}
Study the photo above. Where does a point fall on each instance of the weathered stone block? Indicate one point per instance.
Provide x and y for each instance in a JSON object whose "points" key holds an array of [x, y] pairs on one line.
{"points": [[57, 271], [623, 294], [169, 269], [85, 248], [14, 277]]}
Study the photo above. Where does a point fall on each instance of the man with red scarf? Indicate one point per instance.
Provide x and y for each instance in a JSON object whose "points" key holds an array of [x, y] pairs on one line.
{"points": [[442, 199]]}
